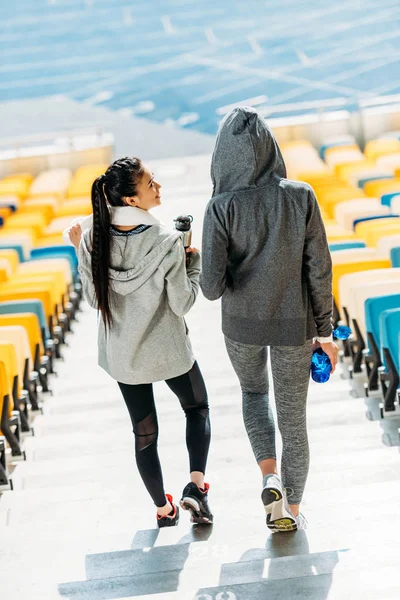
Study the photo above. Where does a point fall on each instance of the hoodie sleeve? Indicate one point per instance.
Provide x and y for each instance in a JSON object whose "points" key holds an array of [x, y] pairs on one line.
{"points": [[85, 271], [317, 265], [214, 253], [182, 282]]}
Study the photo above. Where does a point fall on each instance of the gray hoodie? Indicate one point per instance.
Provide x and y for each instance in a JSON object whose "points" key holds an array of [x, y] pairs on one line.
{"points": [[264, 243], [151, 291]]}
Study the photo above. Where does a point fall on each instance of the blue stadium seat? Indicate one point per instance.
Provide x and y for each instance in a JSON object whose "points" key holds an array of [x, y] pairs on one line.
{"points": [[373, 308], [395, 256], [372, 218], [27, 306], [389, 325], [68, 252], [386, 199], [18, 247], [346, 246]]}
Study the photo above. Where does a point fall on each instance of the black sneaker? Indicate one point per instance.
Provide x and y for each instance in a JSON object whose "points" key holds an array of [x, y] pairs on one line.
{"points": [[171, 519], [195, 500]]}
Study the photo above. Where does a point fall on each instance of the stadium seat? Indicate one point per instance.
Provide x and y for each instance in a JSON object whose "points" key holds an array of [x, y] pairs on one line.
{"points": [[395, 256], [387, 199], [52, 183], [372, 177], [83, 178], [385, 244], [382, 187], [22, 241], [381, 146], [377, 218], [347, 212], [395, 203], [18, 248], [389, 326], [19, 397], [339, 270], [18, 336], [391, 162], [35, 222], [11, 256], [353, 254], [10, 425], [31, 324], [9, 201], [373, 309], [357, 295], [345, 245]]}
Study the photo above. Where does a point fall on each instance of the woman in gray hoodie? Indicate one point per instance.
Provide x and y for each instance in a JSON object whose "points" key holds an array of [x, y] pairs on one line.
{"points": [[142, 283], [265, 252]]}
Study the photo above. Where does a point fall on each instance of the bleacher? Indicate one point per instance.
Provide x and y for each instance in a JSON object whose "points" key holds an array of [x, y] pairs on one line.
{"points": [[359, 195], [40, 293]]}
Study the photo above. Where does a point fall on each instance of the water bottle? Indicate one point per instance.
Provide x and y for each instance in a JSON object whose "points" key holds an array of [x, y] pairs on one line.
{"points": [[183, 223], [320, 364]]}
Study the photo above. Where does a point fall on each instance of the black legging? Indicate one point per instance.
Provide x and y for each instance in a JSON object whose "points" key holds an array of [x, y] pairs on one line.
{"points": [[192, 394]]}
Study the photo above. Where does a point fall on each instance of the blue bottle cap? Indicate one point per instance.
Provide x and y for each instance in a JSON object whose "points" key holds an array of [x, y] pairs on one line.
{"points": [[342, 332]]}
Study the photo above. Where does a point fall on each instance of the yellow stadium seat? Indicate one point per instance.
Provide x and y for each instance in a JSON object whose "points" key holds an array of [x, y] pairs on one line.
{"points": [[12, 257], [339, 270], [338, 233], [82, 181], [374, 235], [53, 182], [72, 207], [8, 355], [47, 265], [33, 291], [382, 186], [16, 334], [50, 240], [14, 186], [35, 222], [48, 207], [30, 323], [379, 147], [26, 177], [9, 420], [364, 227]]}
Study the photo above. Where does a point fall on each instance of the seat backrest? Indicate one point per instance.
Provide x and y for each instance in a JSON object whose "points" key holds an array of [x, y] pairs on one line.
{"points": [[353, 254], [31, 324], [19, 249], [363, 228], [352, 281], [56, 252], [8, 354], [26, 306], [16, 334], [386, 243], [47, 265], [389, 326], [372, 238], [341, 269], [378, 218], [29, 293], [359, 294], [373, 308], [335, 247], [11, 256], [395, 256]]}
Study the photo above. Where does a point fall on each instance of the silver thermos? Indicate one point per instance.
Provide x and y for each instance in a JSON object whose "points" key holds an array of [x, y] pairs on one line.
{"points": [[183, 223]]}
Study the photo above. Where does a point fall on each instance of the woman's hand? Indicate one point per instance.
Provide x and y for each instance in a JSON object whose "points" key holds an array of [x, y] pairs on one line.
{"points": [[75, 234], [331, 350], [192, 250]]}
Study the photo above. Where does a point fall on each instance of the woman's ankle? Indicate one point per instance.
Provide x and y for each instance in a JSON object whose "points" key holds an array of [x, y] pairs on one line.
{"points": [[197, 477], [163, 511], [295, 509]]}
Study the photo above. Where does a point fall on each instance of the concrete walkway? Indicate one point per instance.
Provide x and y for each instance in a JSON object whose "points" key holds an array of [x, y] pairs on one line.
{"points": [[80, 525]]}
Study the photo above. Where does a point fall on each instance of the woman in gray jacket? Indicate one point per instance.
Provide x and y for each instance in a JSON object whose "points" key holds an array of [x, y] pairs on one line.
{"points": [[136, 273], [265, 252]]}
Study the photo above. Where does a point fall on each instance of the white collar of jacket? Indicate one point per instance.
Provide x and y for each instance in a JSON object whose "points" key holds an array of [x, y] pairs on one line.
{"points": [[119, 215], [131, 215]]}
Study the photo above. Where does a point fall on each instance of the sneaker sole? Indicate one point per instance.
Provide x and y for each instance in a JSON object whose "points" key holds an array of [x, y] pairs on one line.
{"points": [[278, 518], [192, 505]]}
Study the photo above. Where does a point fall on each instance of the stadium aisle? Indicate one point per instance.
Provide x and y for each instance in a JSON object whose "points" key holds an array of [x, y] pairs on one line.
{"points": [[80, 526]]}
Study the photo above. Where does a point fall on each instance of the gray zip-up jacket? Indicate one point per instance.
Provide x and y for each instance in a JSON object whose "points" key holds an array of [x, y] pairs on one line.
{"points": [[151, 291], [264, 244]]}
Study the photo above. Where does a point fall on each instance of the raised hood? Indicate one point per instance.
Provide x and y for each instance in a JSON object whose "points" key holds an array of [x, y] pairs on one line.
{"points": [[246, 154]]}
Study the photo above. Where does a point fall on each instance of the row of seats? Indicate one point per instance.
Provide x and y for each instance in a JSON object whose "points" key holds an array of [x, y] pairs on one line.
{"points": [[40, 292], [359, 196]]}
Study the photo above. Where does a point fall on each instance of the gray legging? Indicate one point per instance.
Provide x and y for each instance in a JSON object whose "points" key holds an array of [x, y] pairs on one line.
{"points": [[291, 375]]}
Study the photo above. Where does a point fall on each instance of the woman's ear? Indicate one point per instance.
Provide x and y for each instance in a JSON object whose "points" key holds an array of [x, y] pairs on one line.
{"points": [[132, 201]]}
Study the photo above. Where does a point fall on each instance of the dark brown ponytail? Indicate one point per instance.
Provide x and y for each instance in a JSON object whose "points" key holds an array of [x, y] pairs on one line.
{"points": [[119, 181]]}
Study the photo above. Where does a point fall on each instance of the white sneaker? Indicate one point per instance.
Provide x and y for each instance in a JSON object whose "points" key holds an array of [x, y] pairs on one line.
{"points": [[301, 522], [279, 515]]}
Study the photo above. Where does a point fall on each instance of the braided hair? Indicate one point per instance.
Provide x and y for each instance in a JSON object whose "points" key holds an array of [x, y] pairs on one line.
{"points": [[120, 180]]}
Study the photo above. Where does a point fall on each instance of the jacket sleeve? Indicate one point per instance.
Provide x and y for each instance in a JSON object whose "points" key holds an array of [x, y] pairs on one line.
{"points": [[215, 247], [317, 266], [85, 271], [182, 282]]}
